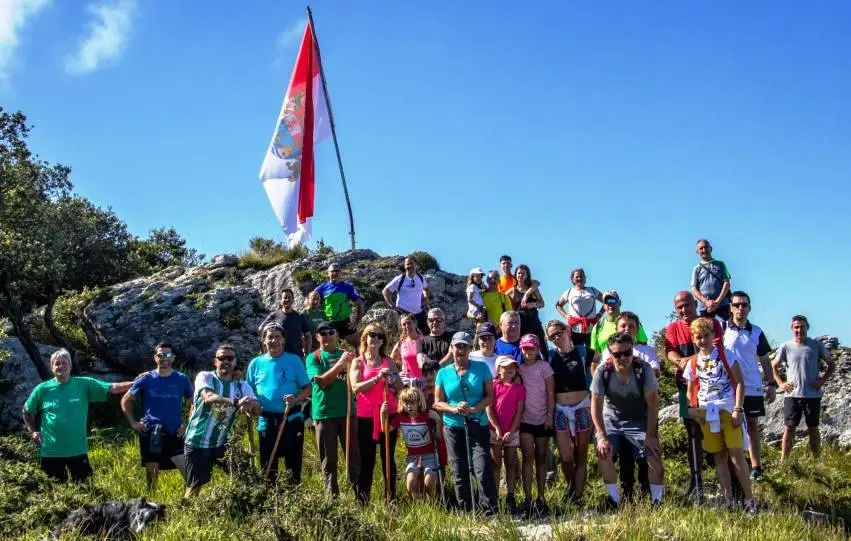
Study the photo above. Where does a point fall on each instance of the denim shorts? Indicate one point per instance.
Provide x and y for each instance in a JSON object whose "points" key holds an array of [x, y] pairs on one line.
{"points": [[421, 464]]}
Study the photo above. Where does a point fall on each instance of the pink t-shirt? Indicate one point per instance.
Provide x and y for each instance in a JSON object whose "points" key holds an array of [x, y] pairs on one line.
{"points": [[534, 379], [506, 396], [368, 403], [408, 352]]}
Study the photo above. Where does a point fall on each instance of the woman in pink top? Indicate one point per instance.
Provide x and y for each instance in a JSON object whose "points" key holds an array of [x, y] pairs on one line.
{"points": [[370, 375], [504, 416], [409, 351], [536, 425]]}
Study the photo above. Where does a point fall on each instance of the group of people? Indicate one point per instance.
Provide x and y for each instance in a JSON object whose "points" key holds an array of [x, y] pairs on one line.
{"points": [[465, 402]]}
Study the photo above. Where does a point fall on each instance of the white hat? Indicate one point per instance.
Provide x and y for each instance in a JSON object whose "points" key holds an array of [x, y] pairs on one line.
{"points": [[476, 270]]}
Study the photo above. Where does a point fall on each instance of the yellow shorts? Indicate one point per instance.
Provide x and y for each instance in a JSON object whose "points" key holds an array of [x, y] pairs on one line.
{"points": [[727, 438]]}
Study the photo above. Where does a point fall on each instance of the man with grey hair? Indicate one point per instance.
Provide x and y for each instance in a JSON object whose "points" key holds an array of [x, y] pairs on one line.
{"points": [[436, 344], [338, 299], [56, 414], [509, 342]]}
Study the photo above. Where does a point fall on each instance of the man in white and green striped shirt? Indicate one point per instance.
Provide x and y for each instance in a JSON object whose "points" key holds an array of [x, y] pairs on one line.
{"points": [[218, 398]]}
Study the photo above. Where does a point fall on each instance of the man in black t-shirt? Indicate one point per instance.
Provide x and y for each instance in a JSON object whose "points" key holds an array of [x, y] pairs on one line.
{"points": [[436, 344], [294, 323]]}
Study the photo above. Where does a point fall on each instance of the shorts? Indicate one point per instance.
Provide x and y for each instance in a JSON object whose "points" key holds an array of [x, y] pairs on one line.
{"points": [[513, 441], [628, 434], [537, 431], [581, 422], [795, 408], [344, 328], [728, 438], [421, 464], [200, 462], [754, 406], [170, 445], [59, 467]]}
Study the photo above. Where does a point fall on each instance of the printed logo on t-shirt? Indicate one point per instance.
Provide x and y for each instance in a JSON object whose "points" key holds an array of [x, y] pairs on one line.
{"points": [[415, 434], [714, 383]]}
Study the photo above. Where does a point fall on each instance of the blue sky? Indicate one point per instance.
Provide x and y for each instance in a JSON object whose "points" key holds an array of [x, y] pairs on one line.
{"points": [[608, 135]]}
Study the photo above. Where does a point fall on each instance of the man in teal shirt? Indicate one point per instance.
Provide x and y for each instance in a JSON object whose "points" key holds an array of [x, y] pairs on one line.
{"points": [[56, 416], [328, 372]]}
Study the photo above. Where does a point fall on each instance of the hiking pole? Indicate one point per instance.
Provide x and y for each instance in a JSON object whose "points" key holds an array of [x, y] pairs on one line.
{"points": [[273, 457], [386, 425], [692, 440], [348, 425], [252, 446], [441, 486], [469, 450]]}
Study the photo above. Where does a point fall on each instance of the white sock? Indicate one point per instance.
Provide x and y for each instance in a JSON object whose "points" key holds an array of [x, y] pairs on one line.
{"points": [[613, 492], [656, 493]]}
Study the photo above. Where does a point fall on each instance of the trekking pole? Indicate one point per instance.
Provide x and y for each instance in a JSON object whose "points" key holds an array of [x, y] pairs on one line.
{"points": [[386, 425], [348, 425], [273, 457], [692, 440], [469, 449], [439, 469]]}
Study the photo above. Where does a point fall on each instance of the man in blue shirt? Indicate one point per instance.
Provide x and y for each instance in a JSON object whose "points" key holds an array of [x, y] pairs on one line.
{"points": [[161, 393], [509, 343], [279, 380]]}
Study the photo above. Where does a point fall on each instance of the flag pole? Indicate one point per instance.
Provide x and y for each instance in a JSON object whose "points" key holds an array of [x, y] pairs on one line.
{"points": [[333, 127]]}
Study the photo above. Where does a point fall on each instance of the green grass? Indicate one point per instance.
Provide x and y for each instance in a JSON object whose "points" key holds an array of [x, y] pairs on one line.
{"points": [[241, 508]]}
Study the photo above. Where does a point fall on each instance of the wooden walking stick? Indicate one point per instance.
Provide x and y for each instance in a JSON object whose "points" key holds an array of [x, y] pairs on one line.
{"points": [[252, 446], [385, 420], [274, 456], [348, 424]]}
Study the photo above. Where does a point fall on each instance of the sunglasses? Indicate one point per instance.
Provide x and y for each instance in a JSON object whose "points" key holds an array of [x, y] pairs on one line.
{"points": [[166, 355], [226, 358], [739, 304], [621, 354], [555, 336], [376, 335], [327, 332]]}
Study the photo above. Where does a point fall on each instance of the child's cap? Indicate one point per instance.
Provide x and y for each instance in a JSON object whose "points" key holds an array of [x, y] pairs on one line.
{"points": [[505, 360], [529, 341]]}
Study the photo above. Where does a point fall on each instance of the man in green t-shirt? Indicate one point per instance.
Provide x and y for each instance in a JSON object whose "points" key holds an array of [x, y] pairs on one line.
{"points": [[56, 416], [330, 395], [607, 326]]}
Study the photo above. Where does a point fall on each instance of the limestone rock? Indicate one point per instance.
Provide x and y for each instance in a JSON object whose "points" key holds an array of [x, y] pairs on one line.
{"points": [[18, 377]]}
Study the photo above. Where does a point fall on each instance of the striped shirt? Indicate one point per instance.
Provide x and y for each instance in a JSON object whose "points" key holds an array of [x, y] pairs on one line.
{"points": [[209, 423]]}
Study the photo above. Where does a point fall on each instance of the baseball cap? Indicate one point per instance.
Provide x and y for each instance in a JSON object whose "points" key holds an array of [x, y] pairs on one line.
{"points": [[529, 341], [324, 326], [611, 297], [476, 270], [505, 360], [485, 329], [462, 337]]}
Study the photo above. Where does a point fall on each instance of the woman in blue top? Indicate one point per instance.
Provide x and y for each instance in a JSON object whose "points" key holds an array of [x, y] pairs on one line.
{"points": [[279, 380], [463, 390]]}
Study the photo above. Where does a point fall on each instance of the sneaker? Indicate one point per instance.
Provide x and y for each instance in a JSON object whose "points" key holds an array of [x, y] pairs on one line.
{"points": [[552, 477], [751, 507], [757, 474], [528, 509], [541, 507]]}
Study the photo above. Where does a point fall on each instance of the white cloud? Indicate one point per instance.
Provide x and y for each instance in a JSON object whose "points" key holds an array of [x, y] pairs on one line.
{"points": [[109, 30], [291, 34], [14, 14]]}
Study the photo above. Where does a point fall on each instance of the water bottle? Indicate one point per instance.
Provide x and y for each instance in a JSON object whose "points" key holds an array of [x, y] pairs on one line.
{"points": [[156, 444]]}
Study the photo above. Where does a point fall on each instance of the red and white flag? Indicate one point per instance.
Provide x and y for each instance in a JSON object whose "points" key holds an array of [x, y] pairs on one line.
{"points": [[288, 168]]}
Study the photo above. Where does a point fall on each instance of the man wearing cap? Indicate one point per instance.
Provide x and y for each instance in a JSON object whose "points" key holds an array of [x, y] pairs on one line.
{"points": [[679, 348], [436, 344], [327, 373], [607, 326], [411, 290], [463, 390], [496, 302], [710, 283], [625, 412], [751, 347], [802, 357], [338, 297], [509, 342], [486, 337]]}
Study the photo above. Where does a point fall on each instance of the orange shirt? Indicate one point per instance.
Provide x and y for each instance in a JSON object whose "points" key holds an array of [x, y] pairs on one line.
{"points": [[506, 283]]}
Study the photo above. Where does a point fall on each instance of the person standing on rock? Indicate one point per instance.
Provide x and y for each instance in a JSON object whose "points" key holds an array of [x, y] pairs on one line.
{"points": [[411, 290], [679, 348], [295, 325], [313, 314], [496, 302], [338, 299], [327, 369], [751, 347], [506, 278], [436, 344], [580, 313], [160, 393], [56, 415], [280, 382], [802, 357], [625, 412], [218, 398], [607, 326], [526, 300], [710, 283]]}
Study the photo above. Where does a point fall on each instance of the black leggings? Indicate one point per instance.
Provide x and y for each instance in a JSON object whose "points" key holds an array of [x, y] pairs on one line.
{"points": [[366, 446], [291, 447]]}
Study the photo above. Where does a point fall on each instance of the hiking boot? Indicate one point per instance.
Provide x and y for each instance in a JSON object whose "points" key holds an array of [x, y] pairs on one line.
{"points": [[757, 474], [541, 507], [528, 508], [570, 498], [751, 507], [610, 505], [510, 504]]}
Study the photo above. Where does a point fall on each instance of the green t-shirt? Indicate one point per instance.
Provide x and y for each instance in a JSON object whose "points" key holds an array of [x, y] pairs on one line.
{"points": [[495, 303], [328, 403], [63, 413], [313, 318], [604, 329]]}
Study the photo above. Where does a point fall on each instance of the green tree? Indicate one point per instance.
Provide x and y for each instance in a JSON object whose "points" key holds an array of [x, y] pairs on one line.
{"points": [[163, 248]]}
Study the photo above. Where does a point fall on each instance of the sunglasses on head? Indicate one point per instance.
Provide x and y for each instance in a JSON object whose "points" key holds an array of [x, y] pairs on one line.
{"points": [[621, 354], [373, 334], [327, 332], [165, 355], [226, 358]]}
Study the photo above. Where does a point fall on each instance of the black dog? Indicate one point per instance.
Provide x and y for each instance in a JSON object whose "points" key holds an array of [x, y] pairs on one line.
{"points": [[111, 520]]}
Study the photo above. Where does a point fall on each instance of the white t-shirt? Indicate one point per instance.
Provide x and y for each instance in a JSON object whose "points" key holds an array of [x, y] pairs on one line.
{"points": [[745, 346], [642, 351], [410, 292], [579, 302], [715, 385], [490, 361], [477, 298]]}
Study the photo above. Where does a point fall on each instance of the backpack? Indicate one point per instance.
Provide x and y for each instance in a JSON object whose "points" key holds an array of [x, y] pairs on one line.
{"points": [[723, 357], [637, 369], [714, 274], [402, 277]]}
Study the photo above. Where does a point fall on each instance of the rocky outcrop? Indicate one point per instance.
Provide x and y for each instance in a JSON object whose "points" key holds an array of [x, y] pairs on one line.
{"points": [[197, 308], [18, 377]]}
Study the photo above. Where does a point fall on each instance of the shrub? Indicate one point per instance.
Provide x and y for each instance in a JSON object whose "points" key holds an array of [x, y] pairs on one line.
{"points": [[425, 261], [272, 257], [323, 249], [307, 279]]}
